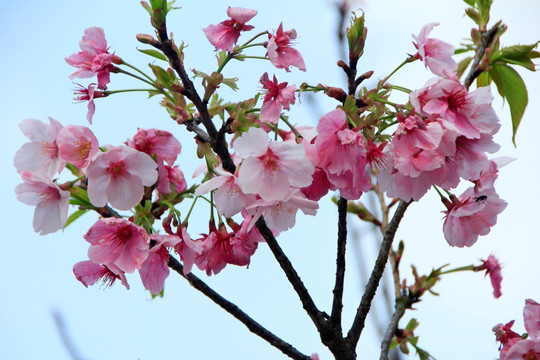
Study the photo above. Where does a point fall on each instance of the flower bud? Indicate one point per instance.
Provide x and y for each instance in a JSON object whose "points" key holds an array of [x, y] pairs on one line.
{"points": [[356, 36]]}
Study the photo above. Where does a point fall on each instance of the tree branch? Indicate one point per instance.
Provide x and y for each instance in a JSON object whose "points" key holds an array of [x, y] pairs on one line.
{"points": [[486, 40], [401, 305], [235, 311], [376, 274], [337, 304], [316, 316]]}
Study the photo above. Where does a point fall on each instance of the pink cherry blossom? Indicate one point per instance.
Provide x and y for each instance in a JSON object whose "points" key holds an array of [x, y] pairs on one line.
{"points": [[531, 316], [506, 336], [77, 145], [470, 216], [278, 96], [171, 178], [493, 269], [470, 113], [154, 270], [269, 169], [89, 273], [528, 349], [280, 52], [89, 94], [225, 34], [188, 250], [51, 202], [94, 59], [280, 215], [513, 347], [341, 154], [436, 54], [118, 176], [41, 153], [229, 198], [156, 142], [116, 242]]}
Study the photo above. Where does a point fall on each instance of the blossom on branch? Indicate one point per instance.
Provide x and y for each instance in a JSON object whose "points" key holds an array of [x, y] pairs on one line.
{"points": [[89, 94], [50, 200], [89, 273], [436, 54], [116, 242], [94, 59], [280, 52], [77, 145], [41, 153], [225, 34], [493, 269], [154, 270], [119, 176], [278, 96]]}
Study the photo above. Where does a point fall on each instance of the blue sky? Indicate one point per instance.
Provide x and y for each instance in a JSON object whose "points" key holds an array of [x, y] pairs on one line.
{"points": [[119, 324]]}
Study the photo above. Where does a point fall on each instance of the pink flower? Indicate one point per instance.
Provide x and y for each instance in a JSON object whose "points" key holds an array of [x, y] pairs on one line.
{"points": [[116, 242], [225, 34], [51, 202], [531, 316], [77, 145], [341, 154], [513, 347], [188, 250], [280, 215], [493, 269], [156, 142], [470, 216], [89, 273], [118, 176], [506, 336], [436, 54], [229, 198], [280, 52], [524, 350], [269, 168], [89, 94], [41, 153], [278, 97], [154, 270], [220, 247], [470, 113], [170, 176], [94, 59]]}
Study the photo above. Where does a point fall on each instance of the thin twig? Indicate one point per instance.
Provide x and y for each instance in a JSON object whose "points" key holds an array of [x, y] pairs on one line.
{"points": [[337, 304], [235, 311], [402, 304], [66, 340], [376, 274]]}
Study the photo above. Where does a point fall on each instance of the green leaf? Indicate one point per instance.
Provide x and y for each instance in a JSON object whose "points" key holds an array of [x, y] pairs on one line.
{"points": [[516, 95], [463, 65], [483, 80], [393, 343], [412, 324], [496, 77], [470, 2], [163, 76], [77, 214], [154, 53], [474, 15]]}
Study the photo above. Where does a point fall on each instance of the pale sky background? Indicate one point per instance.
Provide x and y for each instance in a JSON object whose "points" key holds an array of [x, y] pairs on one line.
{"points": [[119, 324]]}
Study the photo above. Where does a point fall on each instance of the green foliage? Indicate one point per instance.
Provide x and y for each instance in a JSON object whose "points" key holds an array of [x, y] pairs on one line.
{"points": [[74, 216], [154, 53], [511, 86]]}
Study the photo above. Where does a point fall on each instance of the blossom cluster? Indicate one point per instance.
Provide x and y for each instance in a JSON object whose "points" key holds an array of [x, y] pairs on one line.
{"points": [[515, 346], [443, 136]]}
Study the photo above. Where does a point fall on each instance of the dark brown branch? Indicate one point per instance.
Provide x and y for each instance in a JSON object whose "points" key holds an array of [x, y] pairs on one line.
{"points": [[316, 316], [217, 142], [337, 304], [486, 41], [376, 274], [235, 311], [402, 304]]}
